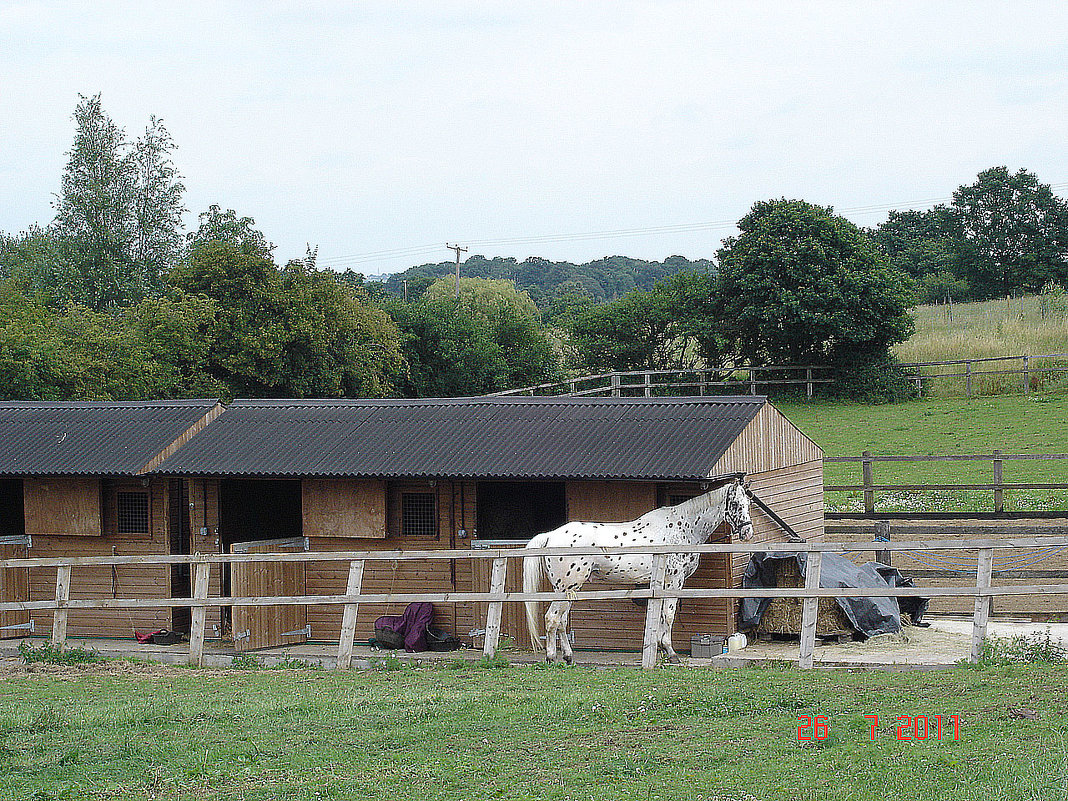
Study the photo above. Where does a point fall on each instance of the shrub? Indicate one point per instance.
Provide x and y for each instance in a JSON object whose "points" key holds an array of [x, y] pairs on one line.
{"points": [[51, 654]]}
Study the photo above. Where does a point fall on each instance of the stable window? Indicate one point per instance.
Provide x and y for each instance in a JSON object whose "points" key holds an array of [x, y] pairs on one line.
{"points": [[131, 512], [418, 518]]}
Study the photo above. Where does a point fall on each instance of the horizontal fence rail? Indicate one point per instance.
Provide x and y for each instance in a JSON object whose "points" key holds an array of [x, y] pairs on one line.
{"points": [[919, 372], [997, 484], [200, 601]]}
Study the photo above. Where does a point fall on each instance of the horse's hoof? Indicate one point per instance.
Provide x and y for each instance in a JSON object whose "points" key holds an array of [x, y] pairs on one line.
{"points": [[569, 660], [674, 659]]}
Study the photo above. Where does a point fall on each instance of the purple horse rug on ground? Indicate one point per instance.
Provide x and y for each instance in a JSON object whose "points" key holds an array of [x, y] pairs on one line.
{"points": [[411, 625]]}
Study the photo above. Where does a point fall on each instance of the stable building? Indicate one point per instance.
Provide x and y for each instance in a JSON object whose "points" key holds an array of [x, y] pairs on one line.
{"points": [[75, 480], [353, 475]]}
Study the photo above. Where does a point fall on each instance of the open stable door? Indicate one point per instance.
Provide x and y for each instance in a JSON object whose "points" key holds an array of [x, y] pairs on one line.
{"points": [[257, 627], [15, 586]]}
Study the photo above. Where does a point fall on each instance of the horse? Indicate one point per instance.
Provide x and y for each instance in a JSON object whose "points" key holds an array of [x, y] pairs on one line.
{"points": [[690, 523]]}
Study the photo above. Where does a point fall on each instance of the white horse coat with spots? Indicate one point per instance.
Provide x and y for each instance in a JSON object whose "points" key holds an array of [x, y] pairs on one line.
{"points": [[690, 523]]}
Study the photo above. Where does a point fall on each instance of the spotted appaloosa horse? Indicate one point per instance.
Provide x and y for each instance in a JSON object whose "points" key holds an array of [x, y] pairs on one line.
{"points": [[691, 523]]}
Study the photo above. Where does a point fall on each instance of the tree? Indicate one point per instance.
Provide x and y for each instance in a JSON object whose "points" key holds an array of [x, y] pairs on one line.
{"points": [[293, 332], [216, 225], [671, 327], [1018, 228], [118, 215], [490, 338], [931, 247], [801, 285]]}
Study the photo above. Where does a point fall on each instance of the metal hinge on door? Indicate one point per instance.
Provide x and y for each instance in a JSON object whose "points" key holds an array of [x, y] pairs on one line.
{"points": [[241, 635], [306, 631], [27, 626]]}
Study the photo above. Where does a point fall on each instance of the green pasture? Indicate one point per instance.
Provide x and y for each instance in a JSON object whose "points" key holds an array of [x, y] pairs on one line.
{"points": [[1013, 424], [529, 733]]}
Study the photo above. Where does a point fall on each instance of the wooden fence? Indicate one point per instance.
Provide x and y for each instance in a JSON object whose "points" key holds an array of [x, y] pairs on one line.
{"points": [[1028, 367], [655, 594], [657, 383], [997, 485]]}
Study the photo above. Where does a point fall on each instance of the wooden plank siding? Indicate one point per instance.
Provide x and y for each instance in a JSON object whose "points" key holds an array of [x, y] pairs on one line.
{"points": [[130, 581], [14, 586], [204, 515]]}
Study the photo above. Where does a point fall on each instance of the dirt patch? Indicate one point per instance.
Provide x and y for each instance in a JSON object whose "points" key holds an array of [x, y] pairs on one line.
{"points": [[16, 668]]}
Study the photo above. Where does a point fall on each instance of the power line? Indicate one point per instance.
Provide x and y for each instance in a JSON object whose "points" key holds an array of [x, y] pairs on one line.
{"points": [[618, 233]]}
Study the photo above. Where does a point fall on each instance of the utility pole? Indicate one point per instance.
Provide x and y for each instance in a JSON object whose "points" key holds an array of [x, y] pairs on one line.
{"points": [[458, 250]]}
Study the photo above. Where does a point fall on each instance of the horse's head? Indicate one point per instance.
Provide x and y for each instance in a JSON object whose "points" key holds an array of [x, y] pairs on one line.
{"points": [[736, 512]]}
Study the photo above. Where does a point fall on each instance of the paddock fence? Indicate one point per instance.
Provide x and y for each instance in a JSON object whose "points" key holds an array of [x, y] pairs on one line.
{"points": [[997, 486], [655, 594]]}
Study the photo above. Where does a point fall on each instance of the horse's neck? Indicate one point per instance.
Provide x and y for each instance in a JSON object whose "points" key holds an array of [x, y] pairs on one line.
{"points": [[706, 512]]}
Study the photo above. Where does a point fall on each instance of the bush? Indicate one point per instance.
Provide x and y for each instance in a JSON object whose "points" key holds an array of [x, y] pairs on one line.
{"points": [[881, 379], [1036, 647]]}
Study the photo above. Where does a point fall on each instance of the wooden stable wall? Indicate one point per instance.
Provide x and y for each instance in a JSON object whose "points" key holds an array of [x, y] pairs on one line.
{"points": [[130, 581]]}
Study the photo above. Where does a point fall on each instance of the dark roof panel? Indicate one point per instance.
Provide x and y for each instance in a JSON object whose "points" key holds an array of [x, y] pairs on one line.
{"points": [[91, 438], [503, 438]]}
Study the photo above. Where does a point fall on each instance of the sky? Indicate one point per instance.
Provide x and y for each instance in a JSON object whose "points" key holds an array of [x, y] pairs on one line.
{"points": [[380, 132]]}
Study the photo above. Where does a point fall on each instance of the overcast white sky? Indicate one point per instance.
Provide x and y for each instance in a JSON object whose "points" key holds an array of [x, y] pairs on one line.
{"points": [[393, 126]]}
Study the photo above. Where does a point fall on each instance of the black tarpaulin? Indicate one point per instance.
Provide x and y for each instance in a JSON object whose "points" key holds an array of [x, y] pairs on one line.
{"points": [[868, 615]]}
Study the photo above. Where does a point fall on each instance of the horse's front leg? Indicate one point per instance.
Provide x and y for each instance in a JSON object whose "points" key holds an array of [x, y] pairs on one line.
{"points": [[667, 621]]}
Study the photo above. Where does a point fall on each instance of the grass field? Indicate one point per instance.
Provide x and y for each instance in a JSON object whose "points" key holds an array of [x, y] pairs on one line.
{"points": [[1015, 424], [139, 732], [1027, 326]]}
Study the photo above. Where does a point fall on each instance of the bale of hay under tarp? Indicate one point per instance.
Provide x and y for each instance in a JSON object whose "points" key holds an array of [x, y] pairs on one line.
{"points": [[783, 615]]}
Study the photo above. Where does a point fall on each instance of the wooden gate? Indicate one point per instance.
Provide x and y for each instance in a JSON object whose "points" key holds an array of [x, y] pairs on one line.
{"points": [[15, 586], [513, 616], [268, 626]]}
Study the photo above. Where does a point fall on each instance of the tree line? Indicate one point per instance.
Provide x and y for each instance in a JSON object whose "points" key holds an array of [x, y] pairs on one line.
{"points": [[113, 299]]}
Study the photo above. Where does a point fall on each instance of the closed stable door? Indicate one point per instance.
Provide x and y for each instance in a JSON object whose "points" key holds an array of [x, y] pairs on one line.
{"points": [[262, 626], [14, 586]]}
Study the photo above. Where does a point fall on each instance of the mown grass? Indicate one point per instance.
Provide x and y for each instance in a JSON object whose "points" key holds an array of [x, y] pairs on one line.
{"points": [[1014, 424], [525, 733]]}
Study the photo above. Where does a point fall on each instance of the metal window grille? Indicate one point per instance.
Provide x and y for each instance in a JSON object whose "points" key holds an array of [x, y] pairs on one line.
{"points": [[417, 515], [132, 512], [675, 500]]}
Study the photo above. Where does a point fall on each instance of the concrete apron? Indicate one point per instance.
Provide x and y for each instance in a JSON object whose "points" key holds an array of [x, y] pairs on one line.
{"points": [[946, 642]]}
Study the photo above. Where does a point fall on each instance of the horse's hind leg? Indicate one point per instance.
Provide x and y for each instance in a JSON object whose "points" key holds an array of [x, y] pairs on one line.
{"points": [[556, 626]]}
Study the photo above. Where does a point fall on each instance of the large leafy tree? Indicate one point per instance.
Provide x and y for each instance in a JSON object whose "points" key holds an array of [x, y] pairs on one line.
{"points": [[1018, 229], [801, 285], [931, 247], [673, 326], [490, 338], [292, 332]]}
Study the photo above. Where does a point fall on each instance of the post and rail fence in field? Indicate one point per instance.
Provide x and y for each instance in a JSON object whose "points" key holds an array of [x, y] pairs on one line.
{"points": [[983, 592], [751, 379], [997, 485]]}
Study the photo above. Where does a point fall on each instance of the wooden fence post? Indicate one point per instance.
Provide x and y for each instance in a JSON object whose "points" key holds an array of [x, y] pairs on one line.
{"points": [[59, 617], [1027, 375], [648, 389], [882, 534], [615, 385], [498, 576], [808, 382], [348, 617], [968, 378], [982, 602], [869, 493], [752, 381], [999, 492], [809, 610], [201, 573], [654, 611]]}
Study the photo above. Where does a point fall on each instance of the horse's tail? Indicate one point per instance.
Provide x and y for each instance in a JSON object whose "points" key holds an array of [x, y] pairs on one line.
{"points": [[533, 577]]}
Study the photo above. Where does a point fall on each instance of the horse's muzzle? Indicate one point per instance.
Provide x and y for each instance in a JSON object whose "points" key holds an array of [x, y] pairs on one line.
{"points": [[745, 532]]}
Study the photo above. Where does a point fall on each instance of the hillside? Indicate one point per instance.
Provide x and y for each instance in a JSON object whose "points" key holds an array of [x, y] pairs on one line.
{"points": [[604, 279]]}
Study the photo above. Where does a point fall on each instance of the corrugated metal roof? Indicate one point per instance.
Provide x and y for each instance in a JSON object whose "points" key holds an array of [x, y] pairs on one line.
{"points": [[502, 438], [90, 438]]}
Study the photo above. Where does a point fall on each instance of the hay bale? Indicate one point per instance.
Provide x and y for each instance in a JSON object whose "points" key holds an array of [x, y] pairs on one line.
{"points": [[783, 615]]}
